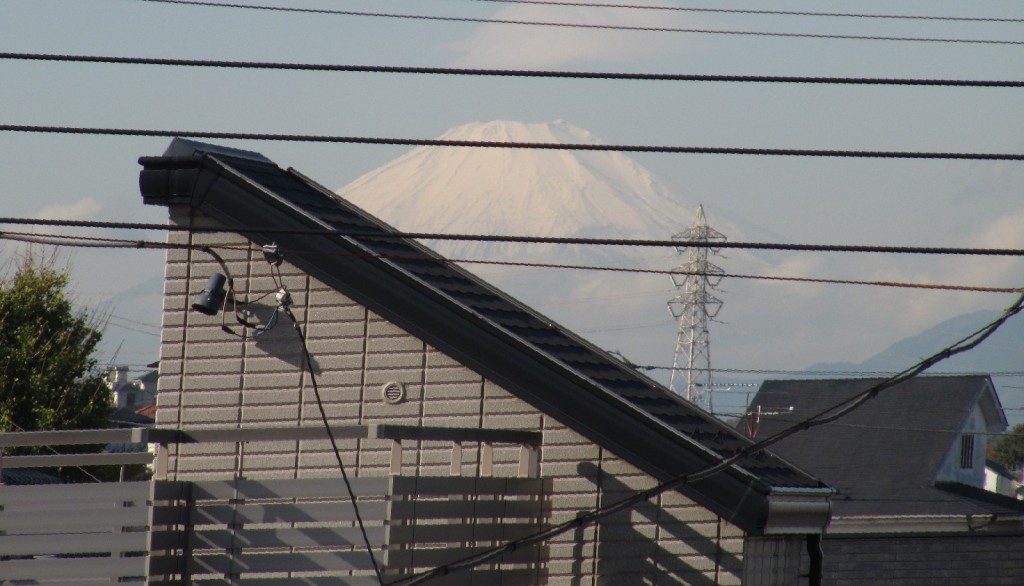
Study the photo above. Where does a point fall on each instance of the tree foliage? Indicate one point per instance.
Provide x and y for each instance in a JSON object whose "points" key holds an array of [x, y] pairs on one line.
{"points": [[48, 378], [1009, 448]]}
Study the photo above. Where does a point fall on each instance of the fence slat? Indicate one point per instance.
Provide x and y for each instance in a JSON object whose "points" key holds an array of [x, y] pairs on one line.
{"points": [[73, 493], [286, 513], [223, 563], [430, 558], [77, 568], [460, 532], [57, 461], [82, 521], [325, 537], [23, 545], [407, 510]]}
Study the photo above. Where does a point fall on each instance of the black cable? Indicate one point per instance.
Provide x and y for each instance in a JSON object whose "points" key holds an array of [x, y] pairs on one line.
{"points": [[509, 238], [761, 12], [508, 72], [320, 138], [334, 443], [586, 26], [823, 417], [77, 241]]}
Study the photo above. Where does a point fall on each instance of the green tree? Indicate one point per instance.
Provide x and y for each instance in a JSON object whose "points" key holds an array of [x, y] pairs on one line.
{"points": [[48, 376], [1009, 448]]}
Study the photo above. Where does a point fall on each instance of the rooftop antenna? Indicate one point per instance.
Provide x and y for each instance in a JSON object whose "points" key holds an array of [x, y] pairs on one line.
{"points": [[694, 306]]}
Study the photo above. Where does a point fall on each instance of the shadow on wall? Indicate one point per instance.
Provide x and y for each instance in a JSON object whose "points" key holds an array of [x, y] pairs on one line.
{"points": [[631, 545], [280, 340]]}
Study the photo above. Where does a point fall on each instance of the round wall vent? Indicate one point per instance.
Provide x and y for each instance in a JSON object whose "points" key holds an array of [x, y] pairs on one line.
{"points": [[393, 393]]}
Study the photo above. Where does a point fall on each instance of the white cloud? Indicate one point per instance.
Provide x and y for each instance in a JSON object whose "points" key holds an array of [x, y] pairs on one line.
{"points": [[83, 209], [1007, 231], [521, 46]]}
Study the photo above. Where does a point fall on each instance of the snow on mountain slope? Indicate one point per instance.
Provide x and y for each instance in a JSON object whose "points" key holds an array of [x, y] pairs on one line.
{"points": [[550, 193], [520, 191]]}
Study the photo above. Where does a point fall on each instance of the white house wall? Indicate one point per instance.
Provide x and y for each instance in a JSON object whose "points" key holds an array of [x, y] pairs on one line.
{"points": [[950, 470]]}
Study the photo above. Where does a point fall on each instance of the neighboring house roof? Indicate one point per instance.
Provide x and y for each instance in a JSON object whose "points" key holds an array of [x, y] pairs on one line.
{"points": [[486, 330], [149, 411], [883, 457]]}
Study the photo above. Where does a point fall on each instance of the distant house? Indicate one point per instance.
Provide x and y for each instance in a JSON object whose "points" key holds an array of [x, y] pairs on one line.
{"points": [[131, 393], [1000, 480], [909, 472], [400, 336]]}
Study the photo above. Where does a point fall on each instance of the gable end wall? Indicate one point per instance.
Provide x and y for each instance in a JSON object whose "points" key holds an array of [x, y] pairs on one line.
{"points": [[211, 379]]}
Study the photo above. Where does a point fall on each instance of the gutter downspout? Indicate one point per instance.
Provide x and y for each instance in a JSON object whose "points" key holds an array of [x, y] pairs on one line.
{"points": [[817, 556]]}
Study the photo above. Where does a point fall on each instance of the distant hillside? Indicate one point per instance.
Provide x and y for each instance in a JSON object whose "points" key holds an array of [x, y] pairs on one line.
{"points": [[1002, 352]]}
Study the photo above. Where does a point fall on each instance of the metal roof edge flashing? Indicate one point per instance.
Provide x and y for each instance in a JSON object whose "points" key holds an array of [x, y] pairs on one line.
{"points": [[172, 180], [798, 511]]}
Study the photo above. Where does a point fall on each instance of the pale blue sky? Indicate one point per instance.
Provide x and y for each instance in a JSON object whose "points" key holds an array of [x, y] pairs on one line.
{"points": [[935, 203]]}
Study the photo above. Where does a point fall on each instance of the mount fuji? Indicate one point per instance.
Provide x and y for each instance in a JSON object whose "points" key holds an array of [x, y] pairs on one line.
{"points": [[505, 191], [520, 192]]}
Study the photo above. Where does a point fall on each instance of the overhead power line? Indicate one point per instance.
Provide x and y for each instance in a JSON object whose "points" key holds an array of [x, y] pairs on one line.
{"points": [[97, 242], [725, 275], [327, 67], [931, 250], [585, 25], [760, 12], [206, 134], [94, 242]]}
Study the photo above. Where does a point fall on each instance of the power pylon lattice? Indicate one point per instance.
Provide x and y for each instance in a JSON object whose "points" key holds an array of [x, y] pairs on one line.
{"points": [[694, 306]]}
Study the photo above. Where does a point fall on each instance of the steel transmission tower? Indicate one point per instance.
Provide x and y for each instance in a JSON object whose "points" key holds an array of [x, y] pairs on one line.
{"points": [[694, 307]]}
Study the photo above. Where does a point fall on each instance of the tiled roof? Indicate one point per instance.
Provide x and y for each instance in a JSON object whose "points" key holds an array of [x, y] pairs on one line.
{"points": [[882, 458], [484, 328]]}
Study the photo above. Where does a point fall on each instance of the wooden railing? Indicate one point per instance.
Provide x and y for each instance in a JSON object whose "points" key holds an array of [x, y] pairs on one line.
{"points": [[277, 531]]}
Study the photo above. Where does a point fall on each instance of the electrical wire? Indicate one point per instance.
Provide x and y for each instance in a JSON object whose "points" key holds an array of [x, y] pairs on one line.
{"points": [[76, 241], [833, 373], [823, 417], [929, 250], [577, 25], [56, 240], [759, 12], [334, 444], [321, 138], [864, 426], [114, 243], [326, 67], [894, 284]]}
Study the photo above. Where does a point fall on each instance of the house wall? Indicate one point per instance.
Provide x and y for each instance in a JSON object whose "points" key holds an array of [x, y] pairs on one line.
{"points": [[210, 378], [951, 470], [997, 483], [978, 559]]}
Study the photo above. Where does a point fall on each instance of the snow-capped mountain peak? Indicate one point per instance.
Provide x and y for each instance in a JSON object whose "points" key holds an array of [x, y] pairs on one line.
{"points": [[536, 192]]}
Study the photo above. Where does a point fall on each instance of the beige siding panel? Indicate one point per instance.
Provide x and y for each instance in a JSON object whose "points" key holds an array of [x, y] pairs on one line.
{"points": [[217, 380]]}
